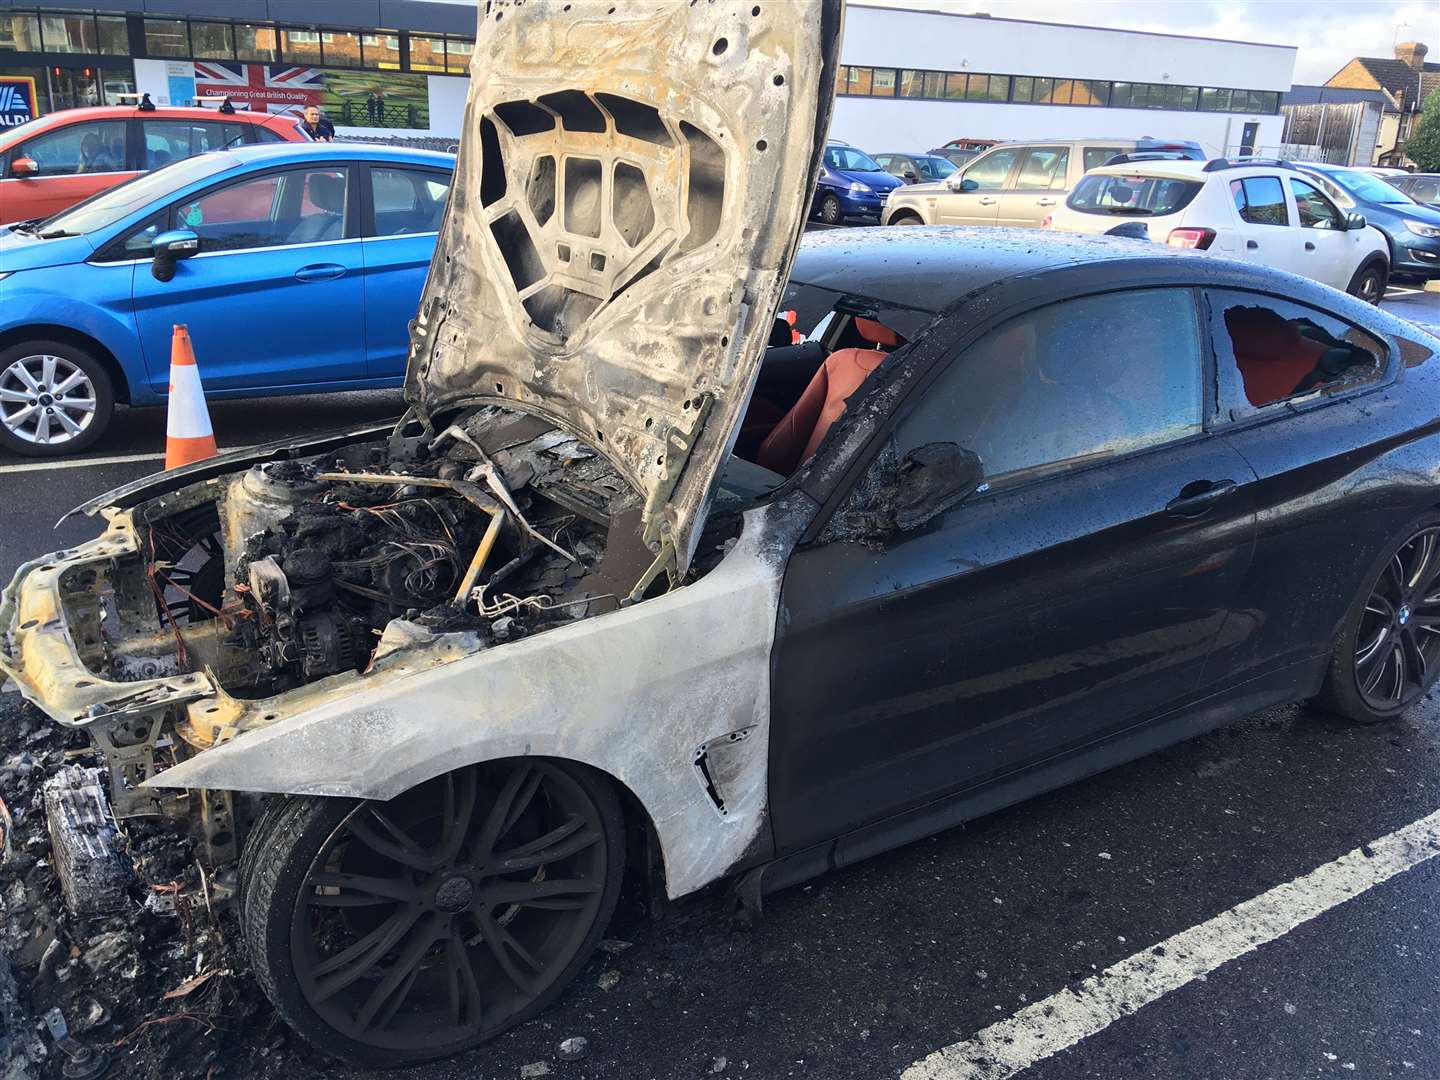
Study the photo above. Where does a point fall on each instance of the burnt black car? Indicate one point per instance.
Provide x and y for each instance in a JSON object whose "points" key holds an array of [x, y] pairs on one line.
{"points": [[626, 586]]}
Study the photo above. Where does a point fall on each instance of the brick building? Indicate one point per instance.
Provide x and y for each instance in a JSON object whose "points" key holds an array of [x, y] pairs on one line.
{"points": [[1407, 80]]}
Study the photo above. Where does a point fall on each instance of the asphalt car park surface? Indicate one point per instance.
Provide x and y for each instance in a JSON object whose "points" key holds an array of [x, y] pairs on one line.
{"points": [[868, 972]]}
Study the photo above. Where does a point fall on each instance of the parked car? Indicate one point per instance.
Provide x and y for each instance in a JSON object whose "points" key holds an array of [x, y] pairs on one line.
{"points": [[1271, 214], [1278, 537], [55, 161], [1424, 188], [1030, 505], [962, 151], [1016, 183], [1412, 230], [915, 168], [296, 267], [851, 184]]}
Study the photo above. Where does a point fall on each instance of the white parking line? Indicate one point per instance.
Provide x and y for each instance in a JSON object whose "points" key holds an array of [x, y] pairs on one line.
{"points": [[1063, 1019], [77, 463]]}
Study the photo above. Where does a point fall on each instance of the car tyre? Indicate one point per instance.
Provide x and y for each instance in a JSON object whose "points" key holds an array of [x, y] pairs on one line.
{"points": [[907, 218], [1370, 281], [396, 932], [1387, 654], [831, 212], [65, 379]]}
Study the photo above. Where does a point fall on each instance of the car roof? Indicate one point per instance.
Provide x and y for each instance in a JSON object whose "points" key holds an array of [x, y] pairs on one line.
{"points": [[1173, 168], [160, 112], [306, 151], [930, 268]]}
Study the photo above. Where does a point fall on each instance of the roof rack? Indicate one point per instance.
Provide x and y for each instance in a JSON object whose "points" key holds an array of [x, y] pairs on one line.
{"points": [[222, 101], [1150, 155], [140, 101], [1219, 164]]}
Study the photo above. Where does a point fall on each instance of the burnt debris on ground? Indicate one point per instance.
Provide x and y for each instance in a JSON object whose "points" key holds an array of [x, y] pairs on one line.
{"points": [[153, 975]]}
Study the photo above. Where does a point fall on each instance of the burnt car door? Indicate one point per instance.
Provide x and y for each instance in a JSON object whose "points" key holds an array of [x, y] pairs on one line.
{"points": [[1297, 399], [1076, 592]]}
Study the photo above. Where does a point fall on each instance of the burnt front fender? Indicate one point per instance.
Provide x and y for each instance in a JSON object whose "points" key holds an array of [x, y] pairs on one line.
{"points": [[637, 693]]}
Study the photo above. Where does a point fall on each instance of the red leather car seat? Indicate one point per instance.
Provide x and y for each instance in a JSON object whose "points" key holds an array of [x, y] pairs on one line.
{"points": [[1271, 353], [795, 438]]}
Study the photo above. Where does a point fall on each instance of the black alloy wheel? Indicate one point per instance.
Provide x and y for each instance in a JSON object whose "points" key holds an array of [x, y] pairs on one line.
{"points": [[831, 212], [1370, 282], [396, 932], [1388, 656], [1397, 648]]}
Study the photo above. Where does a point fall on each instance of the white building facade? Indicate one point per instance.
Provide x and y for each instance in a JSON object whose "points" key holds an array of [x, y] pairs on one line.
{"points": [[913, 80]]}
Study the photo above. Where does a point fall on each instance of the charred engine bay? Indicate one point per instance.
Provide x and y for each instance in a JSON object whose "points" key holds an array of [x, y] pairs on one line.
{"points": [[499, 528]]}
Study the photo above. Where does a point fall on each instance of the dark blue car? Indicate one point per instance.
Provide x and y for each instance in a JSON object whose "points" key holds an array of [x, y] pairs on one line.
{"points": [[296, 267], [1412, 228], [852, 184]]}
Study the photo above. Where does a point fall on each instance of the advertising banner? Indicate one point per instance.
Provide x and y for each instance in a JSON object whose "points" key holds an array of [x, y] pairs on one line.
{"points": [[17, 100], [377, 99]]}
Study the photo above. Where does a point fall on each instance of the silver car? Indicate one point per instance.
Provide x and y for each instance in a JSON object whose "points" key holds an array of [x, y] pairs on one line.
{"points": [[1014, 184]]}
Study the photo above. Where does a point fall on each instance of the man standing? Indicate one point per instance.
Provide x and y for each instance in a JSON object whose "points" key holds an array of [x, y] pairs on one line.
{"points": [[316, 126]]}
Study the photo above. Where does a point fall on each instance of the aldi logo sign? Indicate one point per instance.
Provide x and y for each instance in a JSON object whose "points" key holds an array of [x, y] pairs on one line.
{"points": [[17, 100]]}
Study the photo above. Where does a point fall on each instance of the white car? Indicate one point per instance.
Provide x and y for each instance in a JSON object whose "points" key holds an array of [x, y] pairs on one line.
{"points": [[1264, 213]]}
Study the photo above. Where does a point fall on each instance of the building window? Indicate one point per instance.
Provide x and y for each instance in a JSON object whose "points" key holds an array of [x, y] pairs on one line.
{"points": [[342, 49], [69, 33], [457, 55], [213, 41], [166, 37], [19, 33], [1037, 90], [427, 53], [381, 50], [254, 42], [1214, 100], [300, 46], [114, 35]]}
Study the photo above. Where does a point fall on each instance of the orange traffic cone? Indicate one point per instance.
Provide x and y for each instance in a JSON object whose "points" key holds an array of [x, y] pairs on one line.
{"points": [[188, 434]]}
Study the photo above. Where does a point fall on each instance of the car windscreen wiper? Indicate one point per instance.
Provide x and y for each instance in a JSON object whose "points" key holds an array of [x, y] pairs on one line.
{"points": [[26, 226], [56, 234], [1131, 211]]}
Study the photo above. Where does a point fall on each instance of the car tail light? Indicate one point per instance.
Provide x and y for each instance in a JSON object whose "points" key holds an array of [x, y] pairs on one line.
{"points": [[1199, 239], [1045, 223]]}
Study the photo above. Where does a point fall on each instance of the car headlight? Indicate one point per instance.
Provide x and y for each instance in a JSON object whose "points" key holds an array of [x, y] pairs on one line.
{"points": [[858, 187], [1419, 228]]}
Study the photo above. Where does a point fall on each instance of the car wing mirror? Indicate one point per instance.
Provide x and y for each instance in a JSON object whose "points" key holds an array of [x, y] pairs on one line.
{"points": [[911, 175], [1355, 221], [960, 183], [169, 247], [933, 478], [24, 167]]}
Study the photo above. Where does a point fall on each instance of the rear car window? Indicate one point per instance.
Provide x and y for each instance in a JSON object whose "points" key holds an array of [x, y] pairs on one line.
{"points": [[1134, 196], [1270, 351], [1260, 200]]}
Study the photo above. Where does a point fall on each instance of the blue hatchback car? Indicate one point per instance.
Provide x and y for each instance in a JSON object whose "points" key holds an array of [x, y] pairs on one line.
{"points": [[296, 268], [852, 184], [1411, 228]]}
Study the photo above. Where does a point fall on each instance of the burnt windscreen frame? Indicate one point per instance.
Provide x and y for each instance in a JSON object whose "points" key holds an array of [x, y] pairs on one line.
{"points": [[524, 118], [576, 111], [492, 164], [636, 119]]}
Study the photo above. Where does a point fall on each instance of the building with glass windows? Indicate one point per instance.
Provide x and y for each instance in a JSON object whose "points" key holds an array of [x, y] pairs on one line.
{"points": [[913, 80], [400, 65]]}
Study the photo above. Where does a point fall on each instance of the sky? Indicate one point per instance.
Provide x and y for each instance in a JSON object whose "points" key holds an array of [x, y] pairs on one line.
{"points": [[1327, 32]]}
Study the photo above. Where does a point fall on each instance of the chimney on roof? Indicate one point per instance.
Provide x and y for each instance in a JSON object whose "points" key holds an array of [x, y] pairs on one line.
{"points": [[1412, 54]]}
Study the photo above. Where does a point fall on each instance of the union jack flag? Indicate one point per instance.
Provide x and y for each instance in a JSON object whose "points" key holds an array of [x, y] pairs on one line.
{"points": [[263, 87]]}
